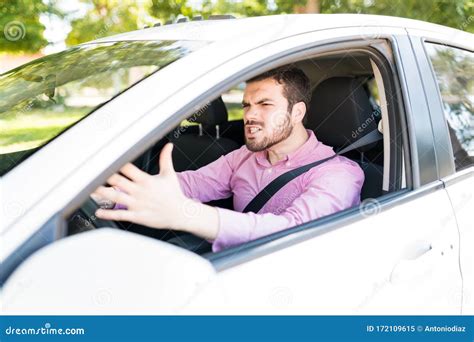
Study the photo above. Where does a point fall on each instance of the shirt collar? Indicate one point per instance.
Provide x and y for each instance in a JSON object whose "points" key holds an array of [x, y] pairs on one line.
{"points": [[293, 157]]}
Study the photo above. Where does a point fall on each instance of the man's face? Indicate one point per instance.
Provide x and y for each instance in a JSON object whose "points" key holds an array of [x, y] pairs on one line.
{"points": [[266, 117]]}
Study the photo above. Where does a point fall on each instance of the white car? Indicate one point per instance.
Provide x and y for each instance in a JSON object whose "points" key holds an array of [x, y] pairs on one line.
{"points": [[70, 120]]}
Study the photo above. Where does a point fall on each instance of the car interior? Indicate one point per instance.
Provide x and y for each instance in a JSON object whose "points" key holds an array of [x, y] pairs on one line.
{"points": [[344, 98]]}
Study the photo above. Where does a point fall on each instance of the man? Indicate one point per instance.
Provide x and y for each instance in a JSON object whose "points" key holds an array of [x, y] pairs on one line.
{"points": [[274, 105]]}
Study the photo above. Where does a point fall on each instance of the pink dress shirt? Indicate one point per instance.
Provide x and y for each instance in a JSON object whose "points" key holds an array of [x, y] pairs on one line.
{"points": [[325, 189]]}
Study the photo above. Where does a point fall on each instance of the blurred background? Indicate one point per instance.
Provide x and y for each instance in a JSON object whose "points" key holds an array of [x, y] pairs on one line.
{"points": [[32, 28], [37, 103]]}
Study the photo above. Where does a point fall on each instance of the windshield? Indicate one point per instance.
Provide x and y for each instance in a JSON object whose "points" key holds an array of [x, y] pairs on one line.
{"points": [[41, 99]]}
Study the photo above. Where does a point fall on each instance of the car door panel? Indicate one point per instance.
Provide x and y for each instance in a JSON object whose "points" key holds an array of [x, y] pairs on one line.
{"points": [[460, 188], [402, 260]]}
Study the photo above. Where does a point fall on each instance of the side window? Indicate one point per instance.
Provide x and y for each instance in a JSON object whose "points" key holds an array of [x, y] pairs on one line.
{"points": [[233, 101], [454, 70]]}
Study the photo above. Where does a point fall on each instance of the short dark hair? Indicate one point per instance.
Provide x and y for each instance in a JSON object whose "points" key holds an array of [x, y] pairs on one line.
{"points": [[296, 85]]}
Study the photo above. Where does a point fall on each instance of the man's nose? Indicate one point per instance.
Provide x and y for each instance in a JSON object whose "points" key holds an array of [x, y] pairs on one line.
{"points": [[251, 114]]}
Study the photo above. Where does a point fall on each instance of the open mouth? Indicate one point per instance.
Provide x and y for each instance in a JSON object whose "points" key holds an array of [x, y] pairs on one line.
{"points": [[252, 131]]}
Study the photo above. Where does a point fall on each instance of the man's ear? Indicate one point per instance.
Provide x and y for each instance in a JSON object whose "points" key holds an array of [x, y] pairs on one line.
{"points": [[298, 112]]}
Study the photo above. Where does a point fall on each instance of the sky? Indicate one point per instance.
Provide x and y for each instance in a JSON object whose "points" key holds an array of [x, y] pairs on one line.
{"points": [[57, 29]]}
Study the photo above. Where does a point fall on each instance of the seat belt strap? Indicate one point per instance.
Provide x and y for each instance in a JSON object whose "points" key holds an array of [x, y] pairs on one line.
{"points": [[275, 185]]}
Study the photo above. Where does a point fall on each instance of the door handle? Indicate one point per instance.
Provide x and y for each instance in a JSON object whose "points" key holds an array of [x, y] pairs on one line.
{"points": [[406, 264], [416, 249]]}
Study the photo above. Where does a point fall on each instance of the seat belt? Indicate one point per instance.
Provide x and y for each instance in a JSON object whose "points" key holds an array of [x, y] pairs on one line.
{"points": [[275, 185]]}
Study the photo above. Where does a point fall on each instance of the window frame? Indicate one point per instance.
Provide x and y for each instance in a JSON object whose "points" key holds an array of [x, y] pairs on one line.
{"points": [[245, 252], [438, 113], [268, 244]]}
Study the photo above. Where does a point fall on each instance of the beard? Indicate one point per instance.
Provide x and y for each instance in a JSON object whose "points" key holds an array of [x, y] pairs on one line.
{"points": [[279, 133]]}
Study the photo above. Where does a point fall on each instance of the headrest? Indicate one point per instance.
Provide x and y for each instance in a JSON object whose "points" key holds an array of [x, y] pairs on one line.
{"points": [[213, 113], [340, 112]]}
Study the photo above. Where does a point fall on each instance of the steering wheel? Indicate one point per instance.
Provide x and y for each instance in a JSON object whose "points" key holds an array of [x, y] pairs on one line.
{"points": [[84, 219]]}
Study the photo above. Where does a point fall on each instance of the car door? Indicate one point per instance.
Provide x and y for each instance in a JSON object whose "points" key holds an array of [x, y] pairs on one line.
{"points": [[452, 72], [397, 254]]}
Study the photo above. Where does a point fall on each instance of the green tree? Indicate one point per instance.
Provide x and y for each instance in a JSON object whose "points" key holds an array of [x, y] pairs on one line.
{"points": [[170, 9], [454, 13], [20, 27], [106, 18]]}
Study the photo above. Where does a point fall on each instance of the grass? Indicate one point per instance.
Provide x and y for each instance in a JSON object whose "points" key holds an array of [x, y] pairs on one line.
{"points": [[25, 131], [235, 111], [29, 130]]}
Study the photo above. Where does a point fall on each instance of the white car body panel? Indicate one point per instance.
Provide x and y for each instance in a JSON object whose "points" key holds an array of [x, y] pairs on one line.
{"points": [[381, 264], [378, 265], [128, 277], [461, 193]]}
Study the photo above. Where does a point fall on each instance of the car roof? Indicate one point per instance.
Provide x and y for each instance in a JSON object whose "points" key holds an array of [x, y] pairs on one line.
{"points": [[280, 26]]}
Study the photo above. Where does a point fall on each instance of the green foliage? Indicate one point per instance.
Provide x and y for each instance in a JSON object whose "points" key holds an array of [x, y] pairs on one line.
{"points": [[20, 28], [170, 9], [105, 18], [454, 13], [109, 17]]}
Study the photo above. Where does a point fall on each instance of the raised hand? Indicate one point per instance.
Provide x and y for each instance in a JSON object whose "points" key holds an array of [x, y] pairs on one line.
{"points": [[157, 201]]}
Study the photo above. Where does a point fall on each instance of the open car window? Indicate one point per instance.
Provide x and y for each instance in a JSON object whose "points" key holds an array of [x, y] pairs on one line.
{"points": [[199, 141], [43, 98]]}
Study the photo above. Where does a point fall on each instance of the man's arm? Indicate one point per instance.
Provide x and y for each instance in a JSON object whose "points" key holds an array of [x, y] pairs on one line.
{"points": [[159, 202], [210, 182], [335, 189]]}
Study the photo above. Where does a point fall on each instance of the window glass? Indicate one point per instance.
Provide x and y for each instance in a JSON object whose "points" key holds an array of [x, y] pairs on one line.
{"points": [[41, 99], [454, 70], [233, 101]]}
